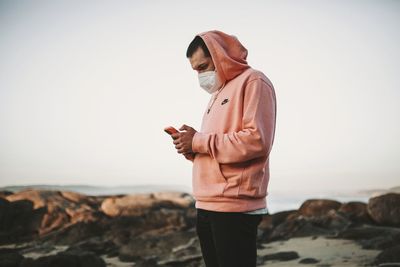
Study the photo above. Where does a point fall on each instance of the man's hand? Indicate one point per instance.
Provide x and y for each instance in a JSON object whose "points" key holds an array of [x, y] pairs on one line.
{"points": [[183, 140], [190, 156]]}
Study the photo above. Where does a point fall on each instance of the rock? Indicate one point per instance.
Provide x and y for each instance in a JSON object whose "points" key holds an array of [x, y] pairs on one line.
{"points": [[4, 194], [146, 263], [372, 237], [137, 205], [166, 246], [18, 220], [389, 255], [284, 230], [182, 261], [76, 233], [281, 256], [66, 259], [318, 207], [148, 229], [272, 220], [308, 261], [297, 225], [385, 209], [356, 212], [96, 245], [10, 258], [61, 209], [334, 221]]}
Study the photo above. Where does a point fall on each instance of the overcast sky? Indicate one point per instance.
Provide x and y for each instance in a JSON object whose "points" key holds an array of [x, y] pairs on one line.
{"points": [[86, 88]]}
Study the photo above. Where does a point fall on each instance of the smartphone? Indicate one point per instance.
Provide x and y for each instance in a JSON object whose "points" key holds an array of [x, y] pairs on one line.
{"points": [[170, 130]]}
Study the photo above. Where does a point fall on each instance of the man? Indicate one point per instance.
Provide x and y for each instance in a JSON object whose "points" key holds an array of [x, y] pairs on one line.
{"points": [[231, 152]]}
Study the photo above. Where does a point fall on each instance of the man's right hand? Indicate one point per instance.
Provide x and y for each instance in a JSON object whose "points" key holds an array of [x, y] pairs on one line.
{"points": [[190, 156]]}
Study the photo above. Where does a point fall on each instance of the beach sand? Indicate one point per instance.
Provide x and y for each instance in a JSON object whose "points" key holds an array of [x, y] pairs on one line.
{"points": [[329, 252]]}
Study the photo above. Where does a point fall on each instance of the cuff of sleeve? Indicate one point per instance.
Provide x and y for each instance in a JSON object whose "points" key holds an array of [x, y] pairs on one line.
{"points": [[200, 143]]}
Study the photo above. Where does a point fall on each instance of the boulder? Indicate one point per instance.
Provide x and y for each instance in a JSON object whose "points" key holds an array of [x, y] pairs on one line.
{"points": [[58, 209], [76, 233], [10, 258], [167, 246], [4, 194], [308, 261], [281, 256], [372, 237], [18, 220], [318, 207], [356, 212], [385, 209], [66, 259], [137, 205], [293, 224], [389, 255]]}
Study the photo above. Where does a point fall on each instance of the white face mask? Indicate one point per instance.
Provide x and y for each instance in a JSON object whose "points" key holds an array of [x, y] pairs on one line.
{"points": [[208, 80]]}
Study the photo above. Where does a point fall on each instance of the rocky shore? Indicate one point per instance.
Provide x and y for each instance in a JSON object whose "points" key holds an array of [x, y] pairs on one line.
{"points": [[56, 228]]}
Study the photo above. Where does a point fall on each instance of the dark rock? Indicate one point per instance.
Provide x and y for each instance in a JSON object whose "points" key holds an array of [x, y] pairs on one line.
{"points": [[281, 256], [372, 237], [356, 212], [299, 226], [269, 223], [385, 209], [75, 233], [389, 255], [182, 261], [166, 246], [18, 220], [309, 228], [318, 207], [334, 221], [10, 259], [284, 230], [66, 259], [308, 261], [146, 263], [96, 245]]}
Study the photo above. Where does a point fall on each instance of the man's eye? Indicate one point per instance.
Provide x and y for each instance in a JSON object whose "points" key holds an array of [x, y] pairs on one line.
{"points": [[203, 67]]}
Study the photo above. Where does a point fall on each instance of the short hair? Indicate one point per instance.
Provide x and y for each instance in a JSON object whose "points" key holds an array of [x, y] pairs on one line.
{"points": [[194, 45]]}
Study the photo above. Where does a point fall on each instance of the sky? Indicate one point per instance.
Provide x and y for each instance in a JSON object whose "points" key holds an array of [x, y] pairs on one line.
{"points": [[86, 88]]}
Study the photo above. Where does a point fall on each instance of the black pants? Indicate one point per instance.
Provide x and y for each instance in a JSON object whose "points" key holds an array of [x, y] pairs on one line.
{"points": [[228, 239]]}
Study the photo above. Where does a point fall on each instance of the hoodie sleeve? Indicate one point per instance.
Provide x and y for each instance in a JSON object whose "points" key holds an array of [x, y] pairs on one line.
{"points": [[257, 134]]}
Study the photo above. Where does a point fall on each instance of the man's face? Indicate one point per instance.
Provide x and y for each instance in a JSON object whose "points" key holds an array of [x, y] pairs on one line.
{"points": [[200, 62]]}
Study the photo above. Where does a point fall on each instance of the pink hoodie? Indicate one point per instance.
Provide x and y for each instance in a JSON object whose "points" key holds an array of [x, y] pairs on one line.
{"points": [[231, 167]]}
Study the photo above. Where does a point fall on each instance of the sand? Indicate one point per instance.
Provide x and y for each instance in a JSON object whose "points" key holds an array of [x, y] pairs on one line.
{"points": [[329, 252]]}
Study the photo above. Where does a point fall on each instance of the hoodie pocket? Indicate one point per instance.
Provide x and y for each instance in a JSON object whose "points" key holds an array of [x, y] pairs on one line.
{"points": [[208, 180], [253, 180], [233, 174]]}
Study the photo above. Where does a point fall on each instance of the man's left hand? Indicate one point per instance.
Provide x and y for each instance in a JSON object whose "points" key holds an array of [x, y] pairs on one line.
{"points": [[183, 140]]}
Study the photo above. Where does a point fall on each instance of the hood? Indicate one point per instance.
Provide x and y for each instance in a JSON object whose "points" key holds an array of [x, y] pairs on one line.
{"points": [[228, 54]]}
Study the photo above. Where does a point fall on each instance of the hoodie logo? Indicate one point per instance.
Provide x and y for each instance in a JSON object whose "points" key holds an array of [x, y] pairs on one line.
{"points": [[226, 100]]}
